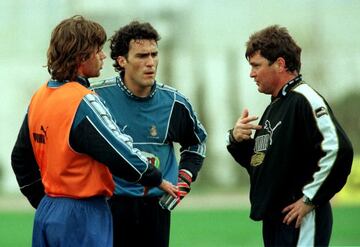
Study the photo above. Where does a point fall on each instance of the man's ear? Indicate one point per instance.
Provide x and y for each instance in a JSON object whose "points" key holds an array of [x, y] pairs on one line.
{"points": [[121, 60], [280, 64]]}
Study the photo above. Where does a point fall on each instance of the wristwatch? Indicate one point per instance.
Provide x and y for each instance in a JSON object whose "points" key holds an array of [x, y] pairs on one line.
{"points": [[307, 201]]}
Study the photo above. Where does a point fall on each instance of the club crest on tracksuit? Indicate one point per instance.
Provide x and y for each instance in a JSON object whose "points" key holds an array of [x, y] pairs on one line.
{"points": [[153, 131]]}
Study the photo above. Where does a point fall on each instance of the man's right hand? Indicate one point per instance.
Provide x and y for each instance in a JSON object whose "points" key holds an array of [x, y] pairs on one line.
{"points": [[169, 188], [243, 127]]}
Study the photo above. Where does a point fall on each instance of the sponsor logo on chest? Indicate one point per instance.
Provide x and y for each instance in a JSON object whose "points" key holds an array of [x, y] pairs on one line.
{"points": [[262, 143]]}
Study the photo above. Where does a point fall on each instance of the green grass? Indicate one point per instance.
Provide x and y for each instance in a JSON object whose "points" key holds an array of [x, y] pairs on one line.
{"points": [[199, 228], [16, 229], [228, 228], [220, 228]]}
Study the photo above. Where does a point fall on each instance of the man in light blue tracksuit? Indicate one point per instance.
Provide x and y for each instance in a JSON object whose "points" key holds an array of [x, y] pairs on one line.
{"points": [[155, 116]]}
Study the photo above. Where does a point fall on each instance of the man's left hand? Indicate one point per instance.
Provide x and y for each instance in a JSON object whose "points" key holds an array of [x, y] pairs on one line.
{"points": [[296, 211], [184, 182]]}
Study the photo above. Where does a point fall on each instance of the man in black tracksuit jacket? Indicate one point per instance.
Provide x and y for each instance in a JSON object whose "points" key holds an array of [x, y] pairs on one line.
{"points": [[299, 157]]}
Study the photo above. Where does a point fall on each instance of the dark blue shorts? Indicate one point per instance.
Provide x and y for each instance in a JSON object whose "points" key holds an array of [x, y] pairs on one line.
{"points": [[64, 222]]}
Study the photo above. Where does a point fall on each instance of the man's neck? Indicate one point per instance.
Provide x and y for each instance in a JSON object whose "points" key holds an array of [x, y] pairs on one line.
{"points": [[283, 79], [136, 90]]}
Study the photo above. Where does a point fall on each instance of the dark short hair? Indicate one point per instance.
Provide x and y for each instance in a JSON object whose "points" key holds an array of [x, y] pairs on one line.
{"points": [[72, 40], [120, 41], [274, 42]]}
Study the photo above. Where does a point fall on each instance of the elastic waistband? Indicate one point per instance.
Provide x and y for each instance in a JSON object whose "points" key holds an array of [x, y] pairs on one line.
{"points": [[87, 199]]}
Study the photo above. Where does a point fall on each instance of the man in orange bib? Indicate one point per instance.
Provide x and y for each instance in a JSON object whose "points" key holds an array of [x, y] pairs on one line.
{"points": [[68, 146]]}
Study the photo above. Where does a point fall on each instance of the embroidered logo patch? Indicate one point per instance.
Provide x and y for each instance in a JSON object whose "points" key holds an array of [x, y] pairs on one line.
{"points": [[321, 111], [257, 158], [269, 129], [153, 131]]}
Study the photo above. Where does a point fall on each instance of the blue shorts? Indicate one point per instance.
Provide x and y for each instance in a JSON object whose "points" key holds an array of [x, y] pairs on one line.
{"points": [[64, 222]]}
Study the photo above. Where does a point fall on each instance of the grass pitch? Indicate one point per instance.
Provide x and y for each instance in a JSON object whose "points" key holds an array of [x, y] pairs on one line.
{"points": [[199, 228]]}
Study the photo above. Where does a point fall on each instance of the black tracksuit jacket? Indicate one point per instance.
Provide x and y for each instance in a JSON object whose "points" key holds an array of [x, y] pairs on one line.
{"points": [[300, 150]]}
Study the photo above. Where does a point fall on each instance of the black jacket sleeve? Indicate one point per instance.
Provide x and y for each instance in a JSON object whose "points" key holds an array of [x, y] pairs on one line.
{"points": [[26, 169], [242, 152], [187, 130], [338, 159]]}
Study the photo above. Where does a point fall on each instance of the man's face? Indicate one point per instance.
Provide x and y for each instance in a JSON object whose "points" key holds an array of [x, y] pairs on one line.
{"points": [[140, 65], [264, 75], [91, 67]]}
